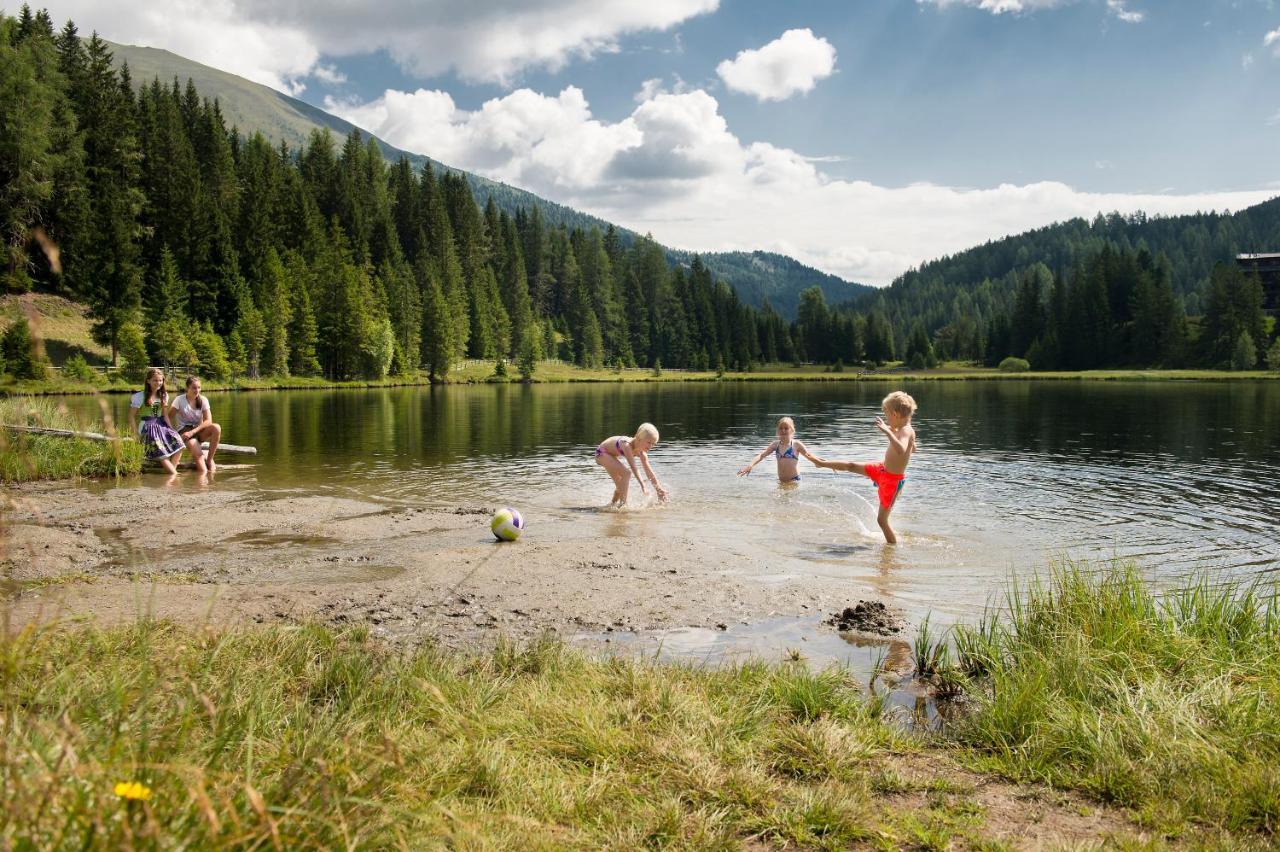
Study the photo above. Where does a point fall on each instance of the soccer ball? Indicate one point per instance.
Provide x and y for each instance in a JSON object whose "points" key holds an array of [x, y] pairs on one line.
{"points": [[507, 524]]}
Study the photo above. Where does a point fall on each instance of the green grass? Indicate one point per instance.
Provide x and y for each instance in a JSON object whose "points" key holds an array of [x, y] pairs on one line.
{"points": [[1166, 705], [302, 737], [25, 457]]}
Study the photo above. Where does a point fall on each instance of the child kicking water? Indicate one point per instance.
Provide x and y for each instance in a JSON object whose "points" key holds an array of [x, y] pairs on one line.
{"points": [[613, 451], [787, 449], [890, 475]]}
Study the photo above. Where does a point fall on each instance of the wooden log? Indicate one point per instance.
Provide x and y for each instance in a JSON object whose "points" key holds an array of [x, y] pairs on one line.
{"points": [[98, 436]]}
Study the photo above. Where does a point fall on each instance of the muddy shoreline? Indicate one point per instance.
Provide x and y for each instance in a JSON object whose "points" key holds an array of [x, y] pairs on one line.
{"points": [[232, 553]]}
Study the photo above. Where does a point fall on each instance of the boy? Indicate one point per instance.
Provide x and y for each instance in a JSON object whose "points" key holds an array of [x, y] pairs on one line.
{"points": [[889, 477]]}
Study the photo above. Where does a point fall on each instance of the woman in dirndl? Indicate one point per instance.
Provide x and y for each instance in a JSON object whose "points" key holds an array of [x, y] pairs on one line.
{"points": [[159, 440]]}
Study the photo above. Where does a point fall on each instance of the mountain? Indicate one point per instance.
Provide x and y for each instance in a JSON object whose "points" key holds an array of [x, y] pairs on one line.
{"points": [[762, 276], [980, 282], [249, 106]]}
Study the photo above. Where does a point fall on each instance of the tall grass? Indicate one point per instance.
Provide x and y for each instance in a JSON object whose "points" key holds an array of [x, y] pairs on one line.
{"points": [[303, 737], [1168, 705], [25, 456]]}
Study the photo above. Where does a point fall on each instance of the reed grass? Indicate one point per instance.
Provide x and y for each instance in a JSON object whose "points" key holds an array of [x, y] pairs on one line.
{"points": [[1164, 704], [25, 456]]}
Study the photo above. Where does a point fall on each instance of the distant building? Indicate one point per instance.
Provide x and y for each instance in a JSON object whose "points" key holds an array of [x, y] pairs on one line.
{"points": [[1267, 268]]}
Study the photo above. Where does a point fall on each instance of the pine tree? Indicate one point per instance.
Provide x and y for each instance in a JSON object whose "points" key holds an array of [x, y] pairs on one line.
{"points": [[277, 309], [439, 326], [112, 275], [303, 330]]}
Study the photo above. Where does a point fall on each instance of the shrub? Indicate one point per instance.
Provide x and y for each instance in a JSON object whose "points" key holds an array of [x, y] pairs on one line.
{"points": [[1273, 355], [20, 354], [211, 353], [657, 367], [133, 351], [77, 369], [1014, 365], [1245, 354]]}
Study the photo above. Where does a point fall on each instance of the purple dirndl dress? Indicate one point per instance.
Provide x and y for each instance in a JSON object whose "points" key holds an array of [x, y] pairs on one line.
{"points": [[159, 440]]}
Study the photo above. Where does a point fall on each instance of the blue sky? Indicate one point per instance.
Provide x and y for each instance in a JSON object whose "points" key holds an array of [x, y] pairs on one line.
{"points": [[864, 137]]}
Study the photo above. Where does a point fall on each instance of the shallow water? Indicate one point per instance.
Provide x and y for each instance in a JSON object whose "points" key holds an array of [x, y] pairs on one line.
{"points": [[1178, 476]]}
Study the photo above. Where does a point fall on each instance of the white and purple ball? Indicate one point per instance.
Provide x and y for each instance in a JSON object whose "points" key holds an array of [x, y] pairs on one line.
{"points": [[507, 524]]}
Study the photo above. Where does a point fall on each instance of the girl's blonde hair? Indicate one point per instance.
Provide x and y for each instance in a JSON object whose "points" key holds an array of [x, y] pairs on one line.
{"points": [[782, 420], [647, 430], [900, 402]]}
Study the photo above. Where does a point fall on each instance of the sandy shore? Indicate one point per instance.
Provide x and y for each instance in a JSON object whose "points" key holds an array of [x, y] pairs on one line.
{"points": [[238, 554]]}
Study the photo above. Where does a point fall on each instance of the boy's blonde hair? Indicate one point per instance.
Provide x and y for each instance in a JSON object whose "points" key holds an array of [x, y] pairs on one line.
{"points": [[647, 430], [900, 402]]}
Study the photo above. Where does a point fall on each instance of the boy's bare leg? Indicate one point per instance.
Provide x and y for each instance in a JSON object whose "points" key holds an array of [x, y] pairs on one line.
{"points": [[883, 520], [850, 466]]}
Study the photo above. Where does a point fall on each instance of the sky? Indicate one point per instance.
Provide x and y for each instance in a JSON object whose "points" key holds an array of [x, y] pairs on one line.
{"points": [[863, 137]]}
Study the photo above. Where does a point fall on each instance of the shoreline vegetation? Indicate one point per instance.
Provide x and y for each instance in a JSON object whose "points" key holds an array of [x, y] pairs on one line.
{"points": [[488, 373], [1097, 711], [26, 457]]}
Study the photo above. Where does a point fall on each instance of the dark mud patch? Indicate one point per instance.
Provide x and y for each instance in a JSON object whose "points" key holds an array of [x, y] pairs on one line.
{"points": [[268, 538], [867, 617], [472, 510]]}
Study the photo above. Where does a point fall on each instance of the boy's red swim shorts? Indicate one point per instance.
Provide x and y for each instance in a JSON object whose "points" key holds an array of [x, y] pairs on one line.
{"points": [[888, 485]]}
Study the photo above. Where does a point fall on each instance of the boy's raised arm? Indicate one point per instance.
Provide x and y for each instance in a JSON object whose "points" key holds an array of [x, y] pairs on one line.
{"points": [[898, 443]]}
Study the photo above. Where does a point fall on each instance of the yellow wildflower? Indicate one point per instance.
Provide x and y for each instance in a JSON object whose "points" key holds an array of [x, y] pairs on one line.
{"points": [[134, 790]]}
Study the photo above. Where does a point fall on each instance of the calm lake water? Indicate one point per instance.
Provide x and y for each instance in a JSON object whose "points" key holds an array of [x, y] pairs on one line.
{"points": [[1181, 477]]}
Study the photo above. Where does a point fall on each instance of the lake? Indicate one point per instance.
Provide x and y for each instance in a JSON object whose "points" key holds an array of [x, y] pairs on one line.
{"points": [[1182, 477]]}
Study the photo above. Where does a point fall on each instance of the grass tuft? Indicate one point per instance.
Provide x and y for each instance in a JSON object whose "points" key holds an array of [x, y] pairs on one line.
{"points": [[1165, 705], [25, 456]]}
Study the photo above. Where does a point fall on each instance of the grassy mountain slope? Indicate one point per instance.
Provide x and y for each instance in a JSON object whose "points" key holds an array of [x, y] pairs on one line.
{"points": [[253, 107]]}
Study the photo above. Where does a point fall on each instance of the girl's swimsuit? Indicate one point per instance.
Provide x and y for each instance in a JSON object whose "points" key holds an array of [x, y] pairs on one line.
{"points": [[617, 449], [788, 453]]}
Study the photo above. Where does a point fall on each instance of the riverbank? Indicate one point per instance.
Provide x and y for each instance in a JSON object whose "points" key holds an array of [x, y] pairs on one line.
{"points": [[564, 373], [1150, 718]]}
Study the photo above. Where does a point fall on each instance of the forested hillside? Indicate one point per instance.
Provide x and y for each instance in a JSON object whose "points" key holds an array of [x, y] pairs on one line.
{"points": [[959, 301], [248, 107], [196, 246]]}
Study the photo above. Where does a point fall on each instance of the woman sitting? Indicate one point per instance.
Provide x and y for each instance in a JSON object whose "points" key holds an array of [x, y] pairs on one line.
{"points": [[159, 441], [191, 416]]}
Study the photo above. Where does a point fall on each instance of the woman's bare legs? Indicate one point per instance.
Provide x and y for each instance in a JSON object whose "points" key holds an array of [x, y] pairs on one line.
{"points": [[212, 433], [197, 454]]}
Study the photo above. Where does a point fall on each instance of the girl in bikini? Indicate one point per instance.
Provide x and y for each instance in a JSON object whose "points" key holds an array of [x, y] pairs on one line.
{"points": [[787, 449], [613, 452]]}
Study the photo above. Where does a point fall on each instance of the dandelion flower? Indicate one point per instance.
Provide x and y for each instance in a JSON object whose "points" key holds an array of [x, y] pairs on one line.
{"points": [[133, 790]]}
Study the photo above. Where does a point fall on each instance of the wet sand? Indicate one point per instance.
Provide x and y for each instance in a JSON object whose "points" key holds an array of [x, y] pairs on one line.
{"points": [[228, 554]]}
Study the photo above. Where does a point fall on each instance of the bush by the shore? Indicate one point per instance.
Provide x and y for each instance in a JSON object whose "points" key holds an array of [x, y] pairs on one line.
{"points": [[26, 456]]}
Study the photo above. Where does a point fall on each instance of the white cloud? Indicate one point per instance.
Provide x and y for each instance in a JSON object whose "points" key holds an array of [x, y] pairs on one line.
{"points": [[1273, 120], [212, 32], [792, 63], [278, 42], [673, 167], [1119, 8], [1272, 38], [328, 74]]}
